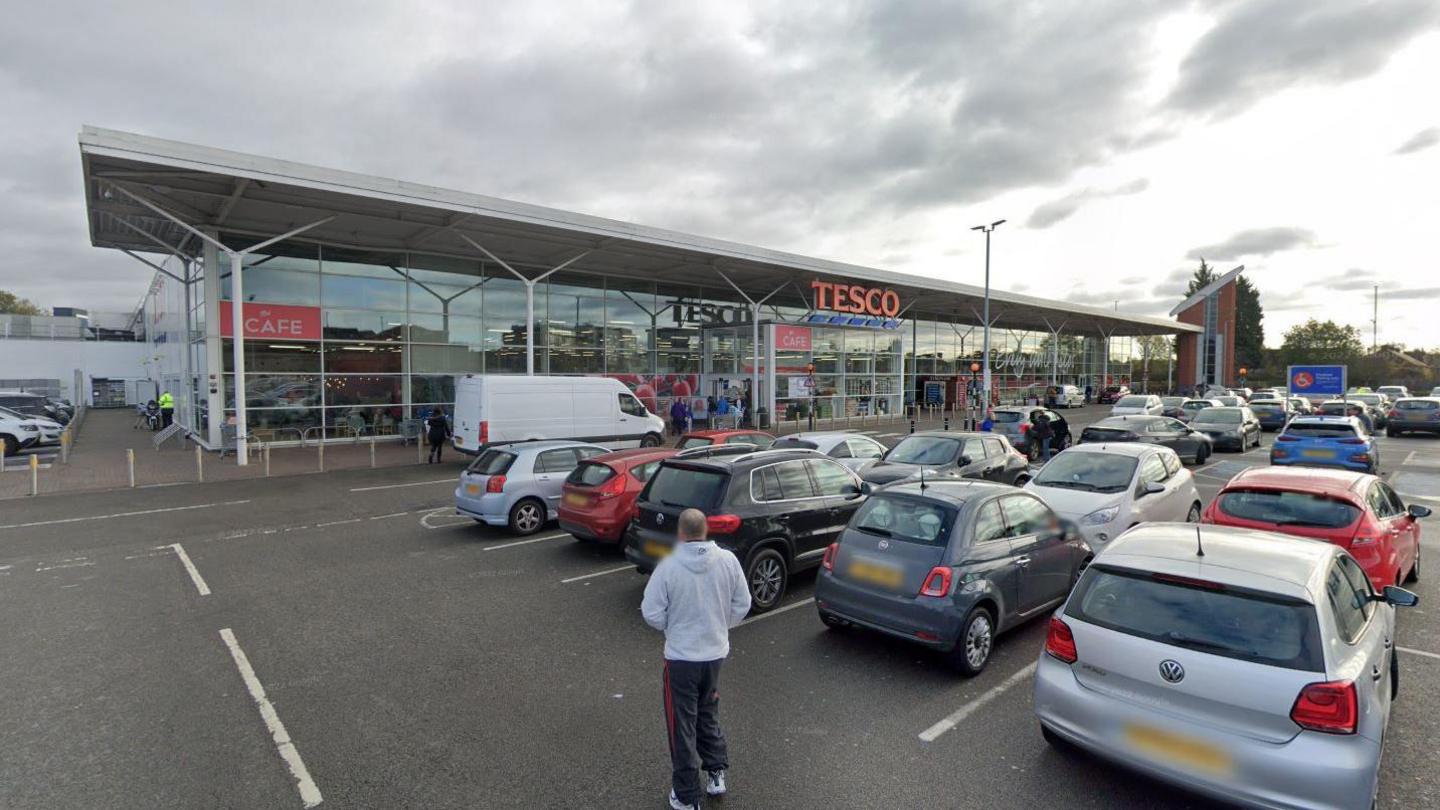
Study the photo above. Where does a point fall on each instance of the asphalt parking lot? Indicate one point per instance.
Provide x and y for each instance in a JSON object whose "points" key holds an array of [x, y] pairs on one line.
{"points": [[345, 639]]}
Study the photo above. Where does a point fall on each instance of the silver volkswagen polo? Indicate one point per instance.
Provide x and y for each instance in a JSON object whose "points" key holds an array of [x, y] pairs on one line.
{"points": [[1261, 671]]}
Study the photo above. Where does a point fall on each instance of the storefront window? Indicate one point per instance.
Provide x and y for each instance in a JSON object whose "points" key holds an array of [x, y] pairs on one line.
{"points": [[276, 390], [288, 273], [264, 357], [363, 389], [458, 359], [357, 324], [431, 389], [445, 286], [362, 358]]}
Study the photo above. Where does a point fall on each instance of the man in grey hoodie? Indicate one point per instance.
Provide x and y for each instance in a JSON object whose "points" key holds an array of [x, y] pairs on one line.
{"points": [[695, 596]]}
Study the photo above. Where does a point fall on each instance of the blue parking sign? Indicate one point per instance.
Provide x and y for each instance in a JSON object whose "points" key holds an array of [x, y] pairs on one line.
{"points": [[1316, 381]]}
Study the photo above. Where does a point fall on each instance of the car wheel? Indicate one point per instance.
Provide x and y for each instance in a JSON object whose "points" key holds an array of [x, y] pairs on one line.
{"points": [[1021, 480], [1393, 434], [1194, 515], [1202, 452], [1414, 575], [527, 516], [1056, 741], [651, 440], [766, 576], [977, 640]]}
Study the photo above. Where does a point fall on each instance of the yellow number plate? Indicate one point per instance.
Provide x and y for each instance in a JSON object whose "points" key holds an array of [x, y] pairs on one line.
{"points": [[576, 499], [656, 550], [1318, 453], [473, 489], [1179, 750], [882, 575]]}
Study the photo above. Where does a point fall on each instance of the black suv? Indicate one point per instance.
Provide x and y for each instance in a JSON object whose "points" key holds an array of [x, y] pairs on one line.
{"points": [[947, 454], [776, 510]]}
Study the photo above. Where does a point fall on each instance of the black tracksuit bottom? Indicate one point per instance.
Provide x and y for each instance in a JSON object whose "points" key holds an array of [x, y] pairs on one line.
{"points": [[692, 719]]}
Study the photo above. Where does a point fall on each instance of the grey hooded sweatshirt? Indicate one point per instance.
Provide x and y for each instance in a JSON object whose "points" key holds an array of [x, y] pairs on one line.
{"points": [[695, 596]]}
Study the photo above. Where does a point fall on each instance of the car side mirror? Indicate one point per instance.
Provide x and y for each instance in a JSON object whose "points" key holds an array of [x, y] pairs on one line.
{"points": [[1417, 511], [1154, 487], [852, 491], [1399, 597], [964, 461], [866, 488]]}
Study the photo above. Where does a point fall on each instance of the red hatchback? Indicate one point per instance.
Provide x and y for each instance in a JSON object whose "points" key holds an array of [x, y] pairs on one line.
{"points": [[599, 495], [1353, 510], [705, 438]]}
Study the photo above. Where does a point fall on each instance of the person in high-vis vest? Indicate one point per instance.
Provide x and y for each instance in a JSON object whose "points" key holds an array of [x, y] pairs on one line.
{"points": [[167, 409]]}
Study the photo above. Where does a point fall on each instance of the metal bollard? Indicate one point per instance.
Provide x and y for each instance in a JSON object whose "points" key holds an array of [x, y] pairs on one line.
{"points": [[912, 425], [34, 475], [372, 452], [199, 465], [2, 459], [321, 448], [130, 465], [266, 451], [65, 446], [947, 423]]}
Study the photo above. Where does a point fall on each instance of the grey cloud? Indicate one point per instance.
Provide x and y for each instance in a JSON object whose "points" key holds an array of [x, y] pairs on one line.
{"points": [[1261, 47], [1424, 139], [1128, 280], [1411, 293], [1254, 242], [1055, 211], [1348, 281]]}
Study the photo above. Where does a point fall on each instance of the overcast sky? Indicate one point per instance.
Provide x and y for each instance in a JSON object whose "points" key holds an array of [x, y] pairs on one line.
{"points": [[1121, 140]]}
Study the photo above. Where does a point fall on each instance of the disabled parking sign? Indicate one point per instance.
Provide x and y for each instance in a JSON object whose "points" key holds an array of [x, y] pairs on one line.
{"points": [[1317, 381]]}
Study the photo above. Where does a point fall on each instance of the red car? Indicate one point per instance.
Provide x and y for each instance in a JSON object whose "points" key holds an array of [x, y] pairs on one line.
{"points": [[599, 495], [1356, 511], [705, 438]]}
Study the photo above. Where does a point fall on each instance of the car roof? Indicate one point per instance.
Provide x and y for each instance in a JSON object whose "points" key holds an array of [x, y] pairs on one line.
{"points": [[1244, 558], [724, 463], [538, 445], [955, 491], [1413, 399], [1324, 419], [636, 455], [720, 433], [1135, 449], [1314, 480], [952, 434]]}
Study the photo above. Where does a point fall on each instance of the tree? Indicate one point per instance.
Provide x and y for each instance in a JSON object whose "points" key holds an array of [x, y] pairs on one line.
{"points": [[1204, 274], [1321, 342], [12, 304], [1249, 325]]}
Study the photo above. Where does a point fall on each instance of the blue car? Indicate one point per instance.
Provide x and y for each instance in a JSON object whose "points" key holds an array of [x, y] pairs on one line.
{"points": [[1326, 441], [1273, 414]]}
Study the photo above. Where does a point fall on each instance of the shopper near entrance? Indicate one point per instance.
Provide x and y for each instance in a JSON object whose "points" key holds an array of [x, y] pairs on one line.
{"points": [[167, 409], [438, 429], [1043, 432], [695, 596], [679, 415]]}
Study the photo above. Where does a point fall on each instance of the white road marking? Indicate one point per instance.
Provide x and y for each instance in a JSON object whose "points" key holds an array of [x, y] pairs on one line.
{"points": [[778, 611], [160, 551], [190, 568], [528, 542], [399, 486], [122, 514], [309, 793], [336, 523], [1409, 458], [443, 513], [392, 514], [933, 733], [1412, 651], [73, 562], [598, 574]]}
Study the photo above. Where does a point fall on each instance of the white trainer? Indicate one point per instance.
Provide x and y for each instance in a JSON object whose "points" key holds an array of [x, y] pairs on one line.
{"points": [[715, 783], [676, 804]]}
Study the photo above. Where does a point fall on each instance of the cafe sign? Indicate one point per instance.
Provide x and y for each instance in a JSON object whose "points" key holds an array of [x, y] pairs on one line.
{"points": [[273, 321]]}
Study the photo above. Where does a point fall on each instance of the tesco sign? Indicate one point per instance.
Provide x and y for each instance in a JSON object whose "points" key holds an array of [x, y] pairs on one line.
{"points": [[273, 321], [856, 298]]}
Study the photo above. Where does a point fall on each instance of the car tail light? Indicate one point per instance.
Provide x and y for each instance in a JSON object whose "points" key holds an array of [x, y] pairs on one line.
{"points": [[1189, 582], [1060, 642], [1361, 541], [1285, 437], [722, 524], [495, 484], [1363, 458], [1395, 413], [1024, 428], [829, 559], [484, 431], [937, 582], [1330, 707], [613, 487], [1352, 441]]}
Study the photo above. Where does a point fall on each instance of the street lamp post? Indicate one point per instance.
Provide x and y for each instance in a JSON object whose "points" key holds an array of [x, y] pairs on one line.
{"points": [[985, 359]]}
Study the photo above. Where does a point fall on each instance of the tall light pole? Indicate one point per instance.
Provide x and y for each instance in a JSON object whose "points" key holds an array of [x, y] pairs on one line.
{"points": [[985, 382]]}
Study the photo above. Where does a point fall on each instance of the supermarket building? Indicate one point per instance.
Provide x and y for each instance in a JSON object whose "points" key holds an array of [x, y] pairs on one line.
{"points": [[365, 297]]}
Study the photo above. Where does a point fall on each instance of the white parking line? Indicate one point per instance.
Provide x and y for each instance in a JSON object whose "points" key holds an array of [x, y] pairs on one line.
{"points": [[1413, 651], [778, 611], [73, 562], [392, 514], [189, 568], [398, 486], [598, 574], [933, 733], [121, 515], [309, 793], [337, 523], [528, 542]]}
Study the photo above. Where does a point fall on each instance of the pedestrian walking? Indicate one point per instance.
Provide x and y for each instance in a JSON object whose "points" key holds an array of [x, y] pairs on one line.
{"points": [[739, 412], [1042, 432], [438, 429], [722, 410], [677, 415], [695, 596], [167, 410]]}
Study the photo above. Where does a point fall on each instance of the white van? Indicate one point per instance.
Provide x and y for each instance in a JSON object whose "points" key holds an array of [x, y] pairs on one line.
{"points": [[490, 409], [1070, 397]]}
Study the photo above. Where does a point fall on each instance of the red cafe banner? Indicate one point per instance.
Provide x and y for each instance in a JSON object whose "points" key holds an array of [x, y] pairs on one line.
{"points": [[792, 338], [273, 321]]}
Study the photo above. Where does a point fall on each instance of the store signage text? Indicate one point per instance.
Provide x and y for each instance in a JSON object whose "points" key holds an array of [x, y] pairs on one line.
{"points": [[860, 300], [792, 338], [273, 321], [1018, 362], [708, 314]]}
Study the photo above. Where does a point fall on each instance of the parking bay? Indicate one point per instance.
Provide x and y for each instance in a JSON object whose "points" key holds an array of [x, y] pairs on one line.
{"points": [[418, 661]]}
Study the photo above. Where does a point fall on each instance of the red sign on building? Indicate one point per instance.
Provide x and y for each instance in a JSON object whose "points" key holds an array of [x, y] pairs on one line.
{"points": [[273, 321], [792, 338]]}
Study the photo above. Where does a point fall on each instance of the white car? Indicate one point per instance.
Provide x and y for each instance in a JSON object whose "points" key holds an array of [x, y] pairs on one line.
{"points": [[1107, 488], [1146, 404], [1435, 392], [50, 430], [1394, 392], [17, 434], [854, 450]]}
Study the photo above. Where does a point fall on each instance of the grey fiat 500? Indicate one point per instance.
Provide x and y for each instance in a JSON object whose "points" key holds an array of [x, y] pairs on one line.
{"points": [[949, 564]]}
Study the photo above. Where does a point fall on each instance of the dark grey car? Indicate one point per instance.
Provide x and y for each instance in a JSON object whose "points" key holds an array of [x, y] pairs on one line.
{"points": [[951, 454], [949, 566], [1186, 441]]}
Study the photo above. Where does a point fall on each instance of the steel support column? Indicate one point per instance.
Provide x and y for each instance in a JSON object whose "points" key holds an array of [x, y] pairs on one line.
{"points": [[1054, 350], [529, 294], [754, 342]]}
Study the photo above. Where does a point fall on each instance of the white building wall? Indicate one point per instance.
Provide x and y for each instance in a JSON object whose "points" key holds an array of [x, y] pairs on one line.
{"points": [[59, 359]]}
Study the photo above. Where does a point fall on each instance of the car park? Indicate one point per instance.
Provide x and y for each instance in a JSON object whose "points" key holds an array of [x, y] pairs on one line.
{"points": [[1272, 414], [1300, 404], [1147, 404], [777, 510], [34, 406], [519, 484], [49, 430], [598, 496], [1394, 392], [1194, 406], [1106, 489], [1240, 664], [1229, 428], [949, 565], [1326, 441], [1230, 400], [1111, 393], [17, 434], [1015, 423], [1378, 406], [855, 450], [951, 454], [1187, 442], [1414, 415], [705, 438], [1174, 407], [1358, 512]]}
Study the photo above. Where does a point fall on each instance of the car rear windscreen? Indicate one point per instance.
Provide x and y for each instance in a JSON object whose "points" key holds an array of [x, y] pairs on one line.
{"points": [[1266, 407], [1007, 417], [491, 462], [1133, 402], [1320, 431], [796, 444], [1219, 416], [912, 520], [1417, 405], [696, 441], [1247, 625], [590, 474], [1288, 508], [686, 486]]}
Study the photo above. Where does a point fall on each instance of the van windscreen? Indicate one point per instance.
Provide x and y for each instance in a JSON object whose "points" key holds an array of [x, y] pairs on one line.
{"points": [[686, 487]]}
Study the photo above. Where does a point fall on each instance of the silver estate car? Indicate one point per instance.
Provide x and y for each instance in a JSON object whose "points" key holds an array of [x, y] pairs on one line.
{"points": [[519, 484], [1261, 671], [854, 450]]}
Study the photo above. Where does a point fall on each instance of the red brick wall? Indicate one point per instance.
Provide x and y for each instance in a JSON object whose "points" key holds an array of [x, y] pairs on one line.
{"points": [[1189, 343]]}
